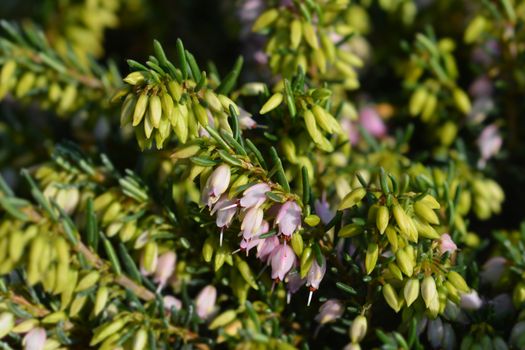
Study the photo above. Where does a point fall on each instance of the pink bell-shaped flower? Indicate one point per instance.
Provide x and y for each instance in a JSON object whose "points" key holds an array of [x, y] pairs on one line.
{"points": [[289, 218], [330, 311], [216, 185], [35, 339], [255, 195], [282, 260], [315, 276], [165, 268], [205, 302]]}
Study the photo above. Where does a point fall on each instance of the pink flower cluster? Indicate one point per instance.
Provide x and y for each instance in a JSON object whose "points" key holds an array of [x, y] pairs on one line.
{"points": [[257, 216]]}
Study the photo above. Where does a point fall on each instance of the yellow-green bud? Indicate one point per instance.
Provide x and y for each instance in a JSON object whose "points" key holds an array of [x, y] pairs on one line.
{"points": [[404, 261], [87, 281], [475, 29], [391, 235], [350, 230], [297, 243], [246, 272], [140, 340], [352, 198], [417, 101], [426, 213], [207, 249], [309, 35], [307, 260], [395, 271], [462, 100], [358, 329], [312, 220], [382, 218], [430, 107], [101, 299], [107, 330], [7, 322], [25, 326], [155, 110], [311, 127], [150, 256], [296, 33], [140, 109], [273, 102], [429, 291], [223, 319], [265, 19], [457, 281], [371, 257], [431, 202], [134, 78], [54, 317], [391, 297], [411, 291]]}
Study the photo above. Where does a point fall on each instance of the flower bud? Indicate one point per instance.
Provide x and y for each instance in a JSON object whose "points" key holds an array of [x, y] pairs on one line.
{"points": [[205, 302], [140, 109], [307, 259], [134, 78], [155, 110], [417, 101], [87, 281], [461, 100], [297, 244], [493, 269], [457, 281], [352, 198], [371, 257], [282, 260], [391, 235], [7, 322], [470, 301], [404, 261], [289, 218], [165, 268], [265, 19], [425, 213], [358, 329], [382, 218], [252, 222], [330, 311], [273, 102], [140, 340], [216, 184], [395, 271], [310, 35], [207, 249], [35, 339], [101, 299], [316, 273], [25, 326], [352, 346], [391, 297], [223, 319], [170, 302], [149, 258], [255, 195], [429, 291], [446, 244], [350, 230], [296, 33], [411, 291], [435, 332], [401, 219]]}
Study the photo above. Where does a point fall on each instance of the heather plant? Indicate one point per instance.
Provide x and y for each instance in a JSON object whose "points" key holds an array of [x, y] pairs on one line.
{"points": [[347, 175]]}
